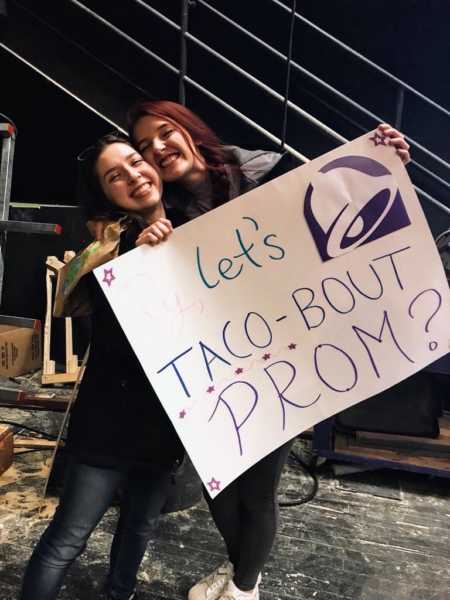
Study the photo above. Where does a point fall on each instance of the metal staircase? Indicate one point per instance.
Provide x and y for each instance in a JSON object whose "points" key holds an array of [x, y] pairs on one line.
{"points": [[212, 55]]}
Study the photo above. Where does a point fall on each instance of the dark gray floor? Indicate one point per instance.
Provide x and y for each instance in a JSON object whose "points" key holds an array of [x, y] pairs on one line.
{"points": [[381, 536]]}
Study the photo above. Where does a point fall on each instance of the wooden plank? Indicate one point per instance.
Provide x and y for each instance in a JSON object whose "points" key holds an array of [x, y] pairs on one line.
{"points": [[68, 255], [35, 443], [20, 322], [17, 397], [71, 358], [30, 227], [445, 433], [5, 430], [49, 375], [6, 450], [48, 366], [444, 421], [60, 377], [54, 263], [344, 446], [440, 444], [66, 416]]}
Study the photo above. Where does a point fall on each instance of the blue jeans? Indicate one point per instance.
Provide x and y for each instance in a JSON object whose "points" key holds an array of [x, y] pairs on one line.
{"points": [[88, 493]]}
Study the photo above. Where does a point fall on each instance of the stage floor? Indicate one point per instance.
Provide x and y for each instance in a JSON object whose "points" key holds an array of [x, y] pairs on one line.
{"points": [[374, 536]]}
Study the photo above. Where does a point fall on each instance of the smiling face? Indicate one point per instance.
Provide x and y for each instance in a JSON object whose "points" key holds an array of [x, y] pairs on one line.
{"points": [[129, 182], [170, 149]]}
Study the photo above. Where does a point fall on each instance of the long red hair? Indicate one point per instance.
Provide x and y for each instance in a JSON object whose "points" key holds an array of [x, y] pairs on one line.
{"points": [[206, 142]]}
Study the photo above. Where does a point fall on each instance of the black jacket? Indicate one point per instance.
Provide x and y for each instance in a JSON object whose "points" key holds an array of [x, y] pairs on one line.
{"points": [[117, 419], [256, 167]]}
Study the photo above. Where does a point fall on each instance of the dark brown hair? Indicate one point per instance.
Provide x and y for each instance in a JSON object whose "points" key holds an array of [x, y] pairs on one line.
{"points": [[92, 198]]}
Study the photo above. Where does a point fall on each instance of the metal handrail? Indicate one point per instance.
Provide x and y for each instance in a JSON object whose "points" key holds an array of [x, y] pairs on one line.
{"points": [[61, 87], [288, 75], [187, 79], [364, 59], [430, 174], [192, 82], [198, 86], [125, 36], [183, 51], [230, 108], [247, 120], [433, 200], [311, 118], [308, 74], [195, 84], [58, 32], [234, 66]]}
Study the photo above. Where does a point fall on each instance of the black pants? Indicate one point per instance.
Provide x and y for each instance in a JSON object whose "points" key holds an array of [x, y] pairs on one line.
{"points": [[87, 494], [246, 514]]}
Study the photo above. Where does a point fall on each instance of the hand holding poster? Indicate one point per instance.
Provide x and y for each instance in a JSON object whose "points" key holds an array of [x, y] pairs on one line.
{"points": [[289, 304]]}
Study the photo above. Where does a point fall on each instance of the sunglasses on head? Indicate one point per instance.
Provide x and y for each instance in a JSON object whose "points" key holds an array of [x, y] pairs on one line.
{"points": [[90, 150]]}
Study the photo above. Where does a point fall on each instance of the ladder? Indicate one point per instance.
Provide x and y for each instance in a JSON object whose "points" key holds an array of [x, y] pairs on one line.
{"points": [[8, 136]]}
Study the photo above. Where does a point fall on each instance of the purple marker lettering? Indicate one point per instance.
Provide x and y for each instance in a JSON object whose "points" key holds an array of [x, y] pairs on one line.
{"points": [[390, 255], [332, 302], [204, 349], [265, 326], [365, 294], [227, 345], [350, 360], [175, 368], [379, 338], [436, 310], [237, 426], [309, 306], [280, 392]]}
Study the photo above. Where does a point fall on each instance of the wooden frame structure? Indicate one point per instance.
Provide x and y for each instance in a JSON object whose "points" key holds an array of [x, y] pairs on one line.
{"points": [[72, 371]]}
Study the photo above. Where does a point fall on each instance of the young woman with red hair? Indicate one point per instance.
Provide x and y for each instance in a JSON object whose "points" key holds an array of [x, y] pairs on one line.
{"points": [[200, 173]]}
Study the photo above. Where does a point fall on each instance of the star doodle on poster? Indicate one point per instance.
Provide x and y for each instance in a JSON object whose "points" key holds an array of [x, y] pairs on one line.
{"points": [[108, 276], [266, 356], [214, 485], [210, 389], [182, 414], [239, 370], [292, 346], [379, 140]]}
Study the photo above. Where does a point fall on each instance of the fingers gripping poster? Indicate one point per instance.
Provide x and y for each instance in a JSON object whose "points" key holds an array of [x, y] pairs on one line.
{"points": [[285, 306]]}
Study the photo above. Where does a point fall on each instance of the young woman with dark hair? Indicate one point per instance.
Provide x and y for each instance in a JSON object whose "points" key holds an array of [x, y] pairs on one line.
{"points": [[119, 436], [200, 173]]}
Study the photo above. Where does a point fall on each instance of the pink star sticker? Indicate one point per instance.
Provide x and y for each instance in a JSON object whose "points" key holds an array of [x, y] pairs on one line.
{"points": [[182, 414], [379, 140], [214, 485], [292, 346], [108, 276], [210, 389], [266, 356], [239, 371]]}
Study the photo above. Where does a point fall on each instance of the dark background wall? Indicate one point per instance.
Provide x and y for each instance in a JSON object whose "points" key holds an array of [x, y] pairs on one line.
{"points": [[407, 37]]}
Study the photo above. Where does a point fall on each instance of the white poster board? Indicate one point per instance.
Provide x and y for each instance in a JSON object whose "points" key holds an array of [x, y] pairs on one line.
{"points": [[285, 306]]}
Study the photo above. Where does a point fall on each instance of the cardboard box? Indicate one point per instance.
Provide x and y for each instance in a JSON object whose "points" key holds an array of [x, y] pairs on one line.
{"points": [[6, 448], [20, 348]]}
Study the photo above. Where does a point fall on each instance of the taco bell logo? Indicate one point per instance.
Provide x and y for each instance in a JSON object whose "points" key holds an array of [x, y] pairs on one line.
{"points": [[351, 201]]}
